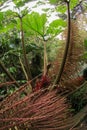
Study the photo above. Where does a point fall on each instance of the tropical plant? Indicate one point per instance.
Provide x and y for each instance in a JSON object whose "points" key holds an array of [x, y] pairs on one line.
{"points": [[42, 109]]}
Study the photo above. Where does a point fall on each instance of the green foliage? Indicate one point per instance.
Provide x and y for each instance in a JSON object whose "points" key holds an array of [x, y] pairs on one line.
{"points": [[8, 21], [2, 2], [73, 3], [52, 49], [84, 56], [12, 69], [1, 19], [58, 22], [20, 3], [53, 1], [61, 9], [85, 43], [57, 1], [78, 99], [36, 22], [56, 27], [85, 51]]}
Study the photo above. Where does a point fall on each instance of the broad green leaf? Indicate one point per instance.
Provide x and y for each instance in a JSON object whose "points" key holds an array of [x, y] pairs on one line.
{"points": [[1, 19], [45, 10], [56, 27], [54, 32], [58, 22], [28, 32], [36, 22]]}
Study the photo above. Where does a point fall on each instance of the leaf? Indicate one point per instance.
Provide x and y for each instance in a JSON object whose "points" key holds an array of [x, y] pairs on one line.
{"points": [[61, 8], [7, 21], [56, 1], [14, 21], [1, 19], [58, 22], [2, 2], [1, 16], [53, 1], [12, 69], [7, 27], [9, 13], [20, 3], [24, 12], [73, 3], [45, 10], [56, 27], [85, 56], [85, 43], [36, 22]]}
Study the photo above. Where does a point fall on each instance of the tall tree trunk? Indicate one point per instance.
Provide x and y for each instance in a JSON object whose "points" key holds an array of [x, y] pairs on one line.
{"points": [[58, 77]]}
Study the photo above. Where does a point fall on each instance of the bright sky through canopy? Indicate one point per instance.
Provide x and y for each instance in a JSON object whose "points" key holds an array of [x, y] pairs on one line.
{"points": [[35, 6]]}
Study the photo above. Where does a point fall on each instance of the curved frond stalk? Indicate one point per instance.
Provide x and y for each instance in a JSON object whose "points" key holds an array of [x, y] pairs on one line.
{"points": [[23, 69], [24, 51], [29, 87], [58, 77], [45, 59], [72, 65]]}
